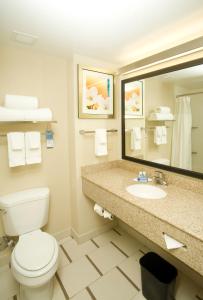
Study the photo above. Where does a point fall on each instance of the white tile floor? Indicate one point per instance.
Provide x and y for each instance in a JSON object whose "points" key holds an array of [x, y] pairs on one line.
{"points": [[107, 268], [104, 268]]}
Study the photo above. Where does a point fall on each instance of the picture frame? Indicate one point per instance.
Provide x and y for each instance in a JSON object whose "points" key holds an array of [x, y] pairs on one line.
{"points": [[96, 94], [134, 99]]}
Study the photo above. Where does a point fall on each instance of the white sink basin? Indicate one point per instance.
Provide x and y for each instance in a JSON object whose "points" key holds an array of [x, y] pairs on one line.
{"points": [[146, 191]]}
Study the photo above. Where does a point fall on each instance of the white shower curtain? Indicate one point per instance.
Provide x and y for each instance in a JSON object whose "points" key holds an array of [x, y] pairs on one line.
{"points": [[181, 155]]}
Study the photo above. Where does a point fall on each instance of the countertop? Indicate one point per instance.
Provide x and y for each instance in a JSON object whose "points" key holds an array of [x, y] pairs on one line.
{"points": [[182, 208]]}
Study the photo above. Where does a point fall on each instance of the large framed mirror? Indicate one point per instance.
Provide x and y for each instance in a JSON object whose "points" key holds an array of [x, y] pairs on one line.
{"points": [[162, 118]]}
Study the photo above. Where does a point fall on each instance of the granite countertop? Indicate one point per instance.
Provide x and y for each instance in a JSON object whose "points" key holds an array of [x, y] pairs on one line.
{"points": [[181, 207]]}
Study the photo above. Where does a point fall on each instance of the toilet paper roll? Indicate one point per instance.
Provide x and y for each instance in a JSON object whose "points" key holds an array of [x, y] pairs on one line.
{"points": [[99, 210], [107, 215], [171, 243]]}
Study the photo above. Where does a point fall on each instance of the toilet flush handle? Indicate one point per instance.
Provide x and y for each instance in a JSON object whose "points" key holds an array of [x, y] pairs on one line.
{"points": [[3, 211]]}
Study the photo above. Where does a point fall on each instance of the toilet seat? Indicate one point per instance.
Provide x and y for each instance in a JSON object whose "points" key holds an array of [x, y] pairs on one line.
{"points": [[35, 254]]}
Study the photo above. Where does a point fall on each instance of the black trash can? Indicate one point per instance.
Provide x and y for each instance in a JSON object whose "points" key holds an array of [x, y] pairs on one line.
{"points": [[158, 277]]}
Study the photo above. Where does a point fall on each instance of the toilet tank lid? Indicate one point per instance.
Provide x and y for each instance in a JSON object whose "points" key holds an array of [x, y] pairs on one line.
{"points": [[14, 199]]}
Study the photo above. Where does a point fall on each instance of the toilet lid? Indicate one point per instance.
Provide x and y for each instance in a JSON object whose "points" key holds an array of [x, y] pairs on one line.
{"points": [[34, 250]]}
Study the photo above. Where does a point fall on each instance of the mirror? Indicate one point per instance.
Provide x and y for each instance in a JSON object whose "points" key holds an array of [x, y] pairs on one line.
{"points": [[162, 118]]}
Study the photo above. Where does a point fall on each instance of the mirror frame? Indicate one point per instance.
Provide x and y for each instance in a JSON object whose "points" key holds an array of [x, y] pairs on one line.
{"points": [[144, 76]]}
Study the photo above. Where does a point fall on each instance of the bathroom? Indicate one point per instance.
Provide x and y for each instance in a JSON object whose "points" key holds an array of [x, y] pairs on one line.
{"points": [[46, 49]]}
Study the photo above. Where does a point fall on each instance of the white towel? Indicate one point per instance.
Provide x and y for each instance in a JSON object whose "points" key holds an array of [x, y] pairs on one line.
{"points": [[101, 142], [163, 109], [7, 114], [158, 135], [161, 116], [16, 149], [20, 102], [136, 137], [164, 135], [33, 147], [41, 114]]}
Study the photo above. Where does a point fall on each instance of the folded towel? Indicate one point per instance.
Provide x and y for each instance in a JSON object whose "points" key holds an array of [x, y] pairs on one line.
{"points": [[16, 149], [163, 109], [158, 135], [20, 102], [164, 135], [161, 116], [7, 114], [33, 147], [136, 138], [41, 114], [101, 142]]}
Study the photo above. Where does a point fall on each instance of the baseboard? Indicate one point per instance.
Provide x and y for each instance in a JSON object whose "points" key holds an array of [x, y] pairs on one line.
{"points": [[81, 238], [60, 235]]}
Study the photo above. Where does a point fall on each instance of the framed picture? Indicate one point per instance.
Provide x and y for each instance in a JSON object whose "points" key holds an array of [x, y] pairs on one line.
{"points": [[134, 103], [96, 93]]}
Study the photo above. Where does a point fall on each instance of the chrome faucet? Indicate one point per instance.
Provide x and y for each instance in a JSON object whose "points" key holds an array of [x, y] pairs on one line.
{"points": [[160, 178]]}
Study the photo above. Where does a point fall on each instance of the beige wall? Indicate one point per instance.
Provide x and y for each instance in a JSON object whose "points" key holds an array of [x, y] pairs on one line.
{"points": [[27, 73], [84, 220]]}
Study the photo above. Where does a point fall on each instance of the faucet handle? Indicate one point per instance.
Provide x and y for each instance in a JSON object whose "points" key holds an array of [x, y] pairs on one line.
{"points": [[160, 177]]}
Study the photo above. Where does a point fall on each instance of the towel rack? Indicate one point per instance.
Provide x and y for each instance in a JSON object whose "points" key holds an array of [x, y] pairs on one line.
{"points": [[93, 131], [5, 135]]}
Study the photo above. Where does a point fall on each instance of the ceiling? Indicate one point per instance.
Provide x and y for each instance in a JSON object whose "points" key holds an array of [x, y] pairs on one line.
{"points": [[115, 31]]}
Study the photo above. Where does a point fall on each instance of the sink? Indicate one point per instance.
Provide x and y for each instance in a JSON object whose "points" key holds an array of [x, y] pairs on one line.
{"points": [[146, 191]]}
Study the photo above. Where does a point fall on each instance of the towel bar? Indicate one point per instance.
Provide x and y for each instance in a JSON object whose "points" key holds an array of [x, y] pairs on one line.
{"points": [[93, 131]]}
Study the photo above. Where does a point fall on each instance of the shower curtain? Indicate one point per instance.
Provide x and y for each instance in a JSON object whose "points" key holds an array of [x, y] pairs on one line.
{"points": [[181, 155]]}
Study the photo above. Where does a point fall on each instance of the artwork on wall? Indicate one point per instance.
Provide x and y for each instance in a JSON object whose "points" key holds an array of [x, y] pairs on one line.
{"points": [[134, 106], [96, 93]]}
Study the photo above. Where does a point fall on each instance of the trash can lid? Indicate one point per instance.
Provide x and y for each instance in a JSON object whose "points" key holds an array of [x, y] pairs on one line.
{"points": [[158, 267]]}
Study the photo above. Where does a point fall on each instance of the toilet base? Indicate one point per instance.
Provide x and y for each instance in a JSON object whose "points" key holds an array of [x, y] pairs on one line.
{"points": [[44, 291]]}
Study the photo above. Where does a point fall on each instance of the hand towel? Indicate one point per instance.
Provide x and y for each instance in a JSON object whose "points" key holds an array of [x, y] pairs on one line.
{"points": [[33, 147], [7, 114], [20, 102], [41, 114], [101, 142], [164, 135], [163, 109], [158, 135], [16, 149], [136, 138]]}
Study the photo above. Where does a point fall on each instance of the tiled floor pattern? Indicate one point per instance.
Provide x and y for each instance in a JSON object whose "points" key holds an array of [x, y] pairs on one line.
{"points": [[107, 268], [104, 268]]}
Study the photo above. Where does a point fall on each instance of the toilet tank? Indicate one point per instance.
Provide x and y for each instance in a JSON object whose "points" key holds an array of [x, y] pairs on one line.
{"points": [[24, 211]]}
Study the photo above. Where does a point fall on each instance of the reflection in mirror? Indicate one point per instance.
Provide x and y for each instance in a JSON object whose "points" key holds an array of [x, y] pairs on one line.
{"points": [[164, 118]]}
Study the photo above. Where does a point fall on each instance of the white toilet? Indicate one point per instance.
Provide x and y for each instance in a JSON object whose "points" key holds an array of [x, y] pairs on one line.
{"points": [[34, 259]]}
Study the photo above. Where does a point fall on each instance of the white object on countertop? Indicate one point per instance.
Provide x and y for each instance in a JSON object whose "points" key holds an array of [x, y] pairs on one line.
{"points": [[33, 147], [172, 243], [99, 210], [137, 180], [136, 137], [107, 215], [20, 102], [16, 149], [100, 142]]}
